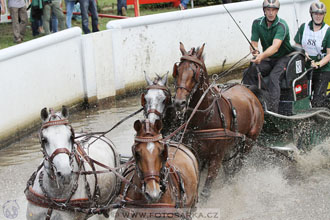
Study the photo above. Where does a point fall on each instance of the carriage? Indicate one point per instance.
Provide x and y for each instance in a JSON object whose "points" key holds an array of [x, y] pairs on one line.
{"points": [[297, 125]]}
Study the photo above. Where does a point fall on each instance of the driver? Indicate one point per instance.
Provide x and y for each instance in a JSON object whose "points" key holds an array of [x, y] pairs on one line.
{"points": [[314, 37], [273, 33]]}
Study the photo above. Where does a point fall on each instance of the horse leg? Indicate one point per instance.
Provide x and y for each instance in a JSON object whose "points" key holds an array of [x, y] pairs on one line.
{"points": [[213, 170]]}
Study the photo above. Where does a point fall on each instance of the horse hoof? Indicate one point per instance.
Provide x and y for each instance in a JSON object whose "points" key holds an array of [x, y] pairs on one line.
{"points": [[205, 196]]}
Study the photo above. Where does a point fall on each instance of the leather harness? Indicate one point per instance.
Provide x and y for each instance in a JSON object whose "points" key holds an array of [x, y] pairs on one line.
{"points": [[84, 205], [219, 133], [171, 178]]}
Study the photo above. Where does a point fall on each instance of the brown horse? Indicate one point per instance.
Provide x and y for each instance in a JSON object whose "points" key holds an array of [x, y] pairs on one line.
{"points": [[225, 114], [164, 177]]}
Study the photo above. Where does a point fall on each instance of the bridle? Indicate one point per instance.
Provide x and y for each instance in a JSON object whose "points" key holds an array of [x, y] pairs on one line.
{"points": [[198, 73], [159, 176], [155, 111], [50, 158]]}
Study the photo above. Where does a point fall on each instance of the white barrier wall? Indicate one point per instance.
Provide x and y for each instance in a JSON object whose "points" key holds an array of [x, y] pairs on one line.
{"points": [[67, 67], [45, 72], [151, 43], [99, 64]]}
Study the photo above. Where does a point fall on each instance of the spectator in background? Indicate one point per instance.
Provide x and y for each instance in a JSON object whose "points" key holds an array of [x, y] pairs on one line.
{"points": [[35, 17], [85, 6], [19, 18], [55, 7], [2, 7], [76, 8], [184, 4], [122, 7], [53, 23], [69, 11]]}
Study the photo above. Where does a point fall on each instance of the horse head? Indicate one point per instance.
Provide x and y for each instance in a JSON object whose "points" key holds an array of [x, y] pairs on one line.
{"points": [[156, 98], [57, 139], [150, 156], [189, 75]]}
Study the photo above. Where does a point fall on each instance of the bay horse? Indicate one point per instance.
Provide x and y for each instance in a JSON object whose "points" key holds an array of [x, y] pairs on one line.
{"points": [[224, 114], [71, 183], [165, 176]]}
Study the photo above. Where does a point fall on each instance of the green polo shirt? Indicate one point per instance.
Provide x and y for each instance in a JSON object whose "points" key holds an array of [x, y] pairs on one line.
{"points": [[325, 43], [278, 30]]}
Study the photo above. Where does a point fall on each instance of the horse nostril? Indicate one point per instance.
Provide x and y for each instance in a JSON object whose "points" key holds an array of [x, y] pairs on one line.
{"points": [[179, 104], [183, 103], [58, 173]]}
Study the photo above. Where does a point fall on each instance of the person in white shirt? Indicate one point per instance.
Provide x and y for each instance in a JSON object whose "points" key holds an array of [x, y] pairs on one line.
{"points": [[314, 38]]}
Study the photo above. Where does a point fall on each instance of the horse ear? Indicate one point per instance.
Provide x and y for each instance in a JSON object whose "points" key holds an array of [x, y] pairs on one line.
{"points": [[65, 111], [164, 79], [200, 52], [137, 125], [158, 125], [143, 100], [175, 70], [44, 114], [183, 51], [147, 79]]}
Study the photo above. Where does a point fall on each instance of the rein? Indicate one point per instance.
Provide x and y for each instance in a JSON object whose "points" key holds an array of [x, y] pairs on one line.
{"points": [[102, 134]]}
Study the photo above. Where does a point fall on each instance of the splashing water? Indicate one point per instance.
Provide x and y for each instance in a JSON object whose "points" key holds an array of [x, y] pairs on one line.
{"points": [[272, 187]]}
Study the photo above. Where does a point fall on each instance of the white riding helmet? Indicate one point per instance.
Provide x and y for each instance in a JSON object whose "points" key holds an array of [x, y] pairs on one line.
{"points": [[317, 7], [271, 4]]}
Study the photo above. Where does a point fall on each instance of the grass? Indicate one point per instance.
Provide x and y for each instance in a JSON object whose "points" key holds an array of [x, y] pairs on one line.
{"points": [[104, 7]]}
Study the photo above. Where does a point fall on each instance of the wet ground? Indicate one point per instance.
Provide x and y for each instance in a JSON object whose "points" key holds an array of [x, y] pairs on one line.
{"points": [[267, 187]]}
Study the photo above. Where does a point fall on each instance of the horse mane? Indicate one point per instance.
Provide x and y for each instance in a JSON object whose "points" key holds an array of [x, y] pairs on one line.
{"points": [[157, 79], [193, 52]]}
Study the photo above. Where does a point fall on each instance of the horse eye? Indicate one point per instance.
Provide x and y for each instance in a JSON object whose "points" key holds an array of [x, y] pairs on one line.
{"points": [[162, 153], [44, 140], [137, 156]]}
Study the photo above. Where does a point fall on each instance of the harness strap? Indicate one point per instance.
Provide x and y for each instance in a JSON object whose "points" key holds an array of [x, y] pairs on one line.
{"points": [[49, 213], [234, 114], [96, 194], [155, 112], [217, 134], [193, 59], [141, 203], [222, 116], [152, 175], [52, 123], [117, 174], [148, 139], [59, 151], [43, 201]]}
